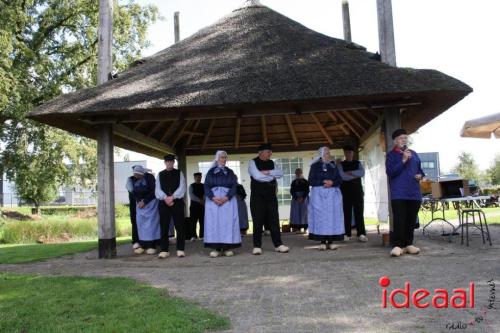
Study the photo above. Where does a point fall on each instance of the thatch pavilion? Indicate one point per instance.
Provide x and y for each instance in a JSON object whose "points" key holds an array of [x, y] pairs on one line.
{"points": [[253, 76]]}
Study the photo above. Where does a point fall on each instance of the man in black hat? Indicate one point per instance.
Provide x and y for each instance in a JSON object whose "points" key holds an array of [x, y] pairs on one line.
{"points": [[197, 207], [404, 172], [170, 190], [263, 200], [352, 171]]}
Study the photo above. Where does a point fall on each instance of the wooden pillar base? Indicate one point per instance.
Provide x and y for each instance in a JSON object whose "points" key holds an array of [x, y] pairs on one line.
{"points": [[107, 248]]}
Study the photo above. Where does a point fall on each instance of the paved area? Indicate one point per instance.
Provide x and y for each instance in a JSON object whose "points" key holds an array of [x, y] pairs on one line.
{"points": [[312, 291]]}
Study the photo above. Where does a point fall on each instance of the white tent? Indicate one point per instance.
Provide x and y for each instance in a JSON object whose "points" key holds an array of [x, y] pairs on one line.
{"points": [[482, 127]]}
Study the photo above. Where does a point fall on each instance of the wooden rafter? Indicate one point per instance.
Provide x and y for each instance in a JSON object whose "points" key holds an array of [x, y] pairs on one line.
{"points": [[292, 130], [157, 126], [322, 129], [209, 131], [264, 128], [237, 133], [191, 134], [363, 118], [348, 124], [354, 120], [181, 132], [169, 131], [136, 126], [125, 132], [332, 116]]}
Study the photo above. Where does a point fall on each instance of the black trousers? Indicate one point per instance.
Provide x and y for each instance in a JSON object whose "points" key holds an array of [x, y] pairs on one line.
{"points": [[133, 220], [264, 211], [196, 213], [353, 201], [404, 213], [167, 213]]}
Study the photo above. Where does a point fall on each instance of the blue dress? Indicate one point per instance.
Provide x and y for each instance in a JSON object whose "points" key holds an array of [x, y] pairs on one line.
{"points": [[148, 217], [325, 211], [222, 228]]}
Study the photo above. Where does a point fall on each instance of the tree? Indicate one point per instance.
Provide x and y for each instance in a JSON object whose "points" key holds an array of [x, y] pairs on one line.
{"points": [[494, 171], [466, 167], [49, 47]]}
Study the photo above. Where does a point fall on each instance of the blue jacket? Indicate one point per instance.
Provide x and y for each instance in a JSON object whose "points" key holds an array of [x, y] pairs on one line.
{"points": [[402, 182], [317, 174], [217, 177]]}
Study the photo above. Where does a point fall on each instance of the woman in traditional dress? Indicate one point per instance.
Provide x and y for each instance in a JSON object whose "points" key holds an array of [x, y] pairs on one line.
{"points": [[148, 218], [325, 213], [299, 189], [241, 194], [222, 228]]}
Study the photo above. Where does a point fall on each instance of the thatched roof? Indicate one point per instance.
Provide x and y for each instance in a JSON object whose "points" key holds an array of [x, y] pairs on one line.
{"points": [[254, 71]]}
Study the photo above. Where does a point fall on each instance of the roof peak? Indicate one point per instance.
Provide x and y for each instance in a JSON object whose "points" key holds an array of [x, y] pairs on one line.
{"points": [[251, 3]]}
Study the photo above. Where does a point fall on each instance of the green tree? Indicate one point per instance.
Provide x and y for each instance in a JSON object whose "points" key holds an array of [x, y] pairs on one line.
{"points": [[494, 171], [467, 167], [49, 47]]}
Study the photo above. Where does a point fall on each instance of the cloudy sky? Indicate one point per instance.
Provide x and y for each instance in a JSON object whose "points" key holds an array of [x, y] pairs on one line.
{"points": [[457, 37]]}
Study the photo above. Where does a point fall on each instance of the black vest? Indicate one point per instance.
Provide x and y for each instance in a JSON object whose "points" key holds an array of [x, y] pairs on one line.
{"points": [[260, 187], [170, 181], [355, 184], [198, 190]]}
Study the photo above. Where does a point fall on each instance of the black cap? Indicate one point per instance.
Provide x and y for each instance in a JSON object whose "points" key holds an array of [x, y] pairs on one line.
{"points": [[197, 174], [348, 148], [265, 146], [398, 132], [169, 157]]}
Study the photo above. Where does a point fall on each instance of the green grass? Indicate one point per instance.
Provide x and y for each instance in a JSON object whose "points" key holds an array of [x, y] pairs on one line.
{"points": [[22, 253], [56, 228], [76, 304]]}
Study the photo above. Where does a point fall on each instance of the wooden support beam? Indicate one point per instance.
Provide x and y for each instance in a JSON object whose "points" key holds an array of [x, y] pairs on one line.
{"points": [[192, 133], [125, 132], [209, 131], [363, 118], [322, 129], [136, 126], [348, 125], [292, 130], [354, 120], [332, 116], [157, 126], [181, 132], [237, 133], [169, 131], [264, 128], [387, 45]]}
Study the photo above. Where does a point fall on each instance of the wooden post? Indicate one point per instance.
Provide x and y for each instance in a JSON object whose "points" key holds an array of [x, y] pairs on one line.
{"points": [[106, 192], [182, 165], [392, 119], [105, 167], [105, 52], [177, 33], [386, 32], [346, 19]]}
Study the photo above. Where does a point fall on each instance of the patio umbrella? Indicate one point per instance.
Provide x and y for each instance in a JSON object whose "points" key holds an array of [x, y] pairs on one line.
{"points": [[482, 127]]}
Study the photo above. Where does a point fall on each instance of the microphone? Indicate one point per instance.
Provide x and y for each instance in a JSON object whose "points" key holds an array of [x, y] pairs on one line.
{"points": [[404, 148]]}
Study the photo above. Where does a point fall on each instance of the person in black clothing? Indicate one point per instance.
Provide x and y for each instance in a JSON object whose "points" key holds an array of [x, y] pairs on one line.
{"points": [[299, 189], [197, 207], [241, 195], [263, 199], [170, 190], [352, 171]]}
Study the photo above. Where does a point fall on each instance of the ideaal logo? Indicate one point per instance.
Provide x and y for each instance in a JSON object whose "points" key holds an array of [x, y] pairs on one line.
{"points": [[460, 298], [422, 298]]}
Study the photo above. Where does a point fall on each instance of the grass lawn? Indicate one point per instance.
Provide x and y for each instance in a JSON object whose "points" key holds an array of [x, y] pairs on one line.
{"points": [[20, 253], [41, 304]]}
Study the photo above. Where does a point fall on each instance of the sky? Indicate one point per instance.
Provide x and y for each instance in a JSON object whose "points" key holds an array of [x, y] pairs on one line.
{"points": [[457, 37]]}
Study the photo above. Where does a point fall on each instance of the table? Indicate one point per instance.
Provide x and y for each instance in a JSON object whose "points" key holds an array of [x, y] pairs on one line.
{"points": [[456, 204]]}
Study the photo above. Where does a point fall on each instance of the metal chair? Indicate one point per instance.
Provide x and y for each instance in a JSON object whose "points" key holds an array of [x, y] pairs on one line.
{"points": [[464, 219]]}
